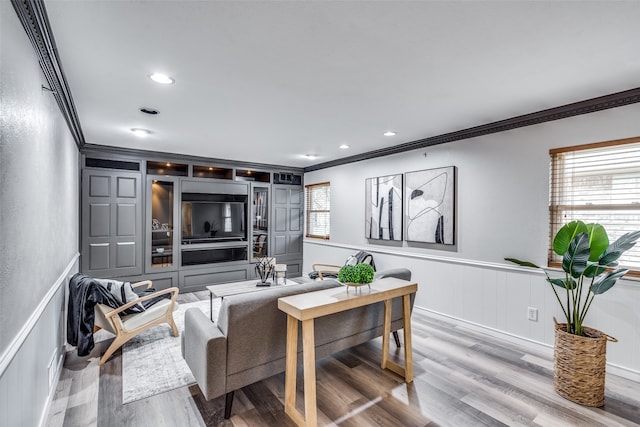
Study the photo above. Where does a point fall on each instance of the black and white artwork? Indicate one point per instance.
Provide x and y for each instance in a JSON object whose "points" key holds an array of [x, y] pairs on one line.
{"points": [[430, 206], [383, 207]]}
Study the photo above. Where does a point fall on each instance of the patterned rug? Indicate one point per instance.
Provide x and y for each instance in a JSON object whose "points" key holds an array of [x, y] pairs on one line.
{"points": [[152, 362]]}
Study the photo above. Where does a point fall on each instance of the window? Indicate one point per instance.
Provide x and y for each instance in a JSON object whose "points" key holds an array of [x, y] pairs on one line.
{"points": [[318, 210], [597, 183]]}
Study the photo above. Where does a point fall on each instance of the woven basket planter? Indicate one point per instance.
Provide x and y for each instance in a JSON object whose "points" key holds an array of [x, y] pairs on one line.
{"points": [[580, 365]]}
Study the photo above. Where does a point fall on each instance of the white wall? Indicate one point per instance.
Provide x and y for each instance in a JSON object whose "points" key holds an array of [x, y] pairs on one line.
{"points": [[38, 227], [502, 210]]}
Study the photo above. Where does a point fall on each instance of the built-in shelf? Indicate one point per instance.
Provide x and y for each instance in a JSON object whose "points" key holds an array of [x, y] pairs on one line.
{"points": [[212, 172], [252, 175], [167, 168]]}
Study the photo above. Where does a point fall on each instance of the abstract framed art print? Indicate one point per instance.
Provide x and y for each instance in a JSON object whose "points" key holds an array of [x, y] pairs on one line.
{"points": [[430, 206], [383, 207]]}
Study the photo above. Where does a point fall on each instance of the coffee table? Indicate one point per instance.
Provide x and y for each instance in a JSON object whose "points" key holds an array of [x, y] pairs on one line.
{"points": [[235, 288]]}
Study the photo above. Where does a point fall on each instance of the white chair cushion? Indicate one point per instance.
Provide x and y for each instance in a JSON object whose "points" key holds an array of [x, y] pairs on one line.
{"points": [[133, 321]]}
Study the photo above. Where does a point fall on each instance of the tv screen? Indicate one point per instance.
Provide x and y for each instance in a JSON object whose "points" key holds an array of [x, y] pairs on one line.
{"points": [[213, 217]]}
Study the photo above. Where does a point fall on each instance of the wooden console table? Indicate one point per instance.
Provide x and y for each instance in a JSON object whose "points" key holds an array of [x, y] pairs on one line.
{"points": [[308, 306]]}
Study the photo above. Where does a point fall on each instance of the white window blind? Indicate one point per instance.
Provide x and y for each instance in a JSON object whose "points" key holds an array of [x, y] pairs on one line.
{"points": [[318, 210], [597, 183]]}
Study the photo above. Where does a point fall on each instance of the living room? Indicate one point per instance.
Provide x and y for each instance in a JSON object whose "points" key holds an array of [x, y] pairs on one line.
{"points": [[502, 210]]}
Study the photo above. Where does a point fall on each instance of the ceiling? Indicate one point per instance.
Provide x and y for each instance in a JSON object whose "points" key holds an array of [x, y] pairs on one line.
{"points": [[270, 82]]}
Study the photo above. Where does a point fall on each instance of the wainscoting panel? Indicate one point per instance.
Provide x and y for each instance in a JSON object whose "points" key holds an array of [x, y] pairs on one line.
{"points": [[31, 366], [495, 297]]}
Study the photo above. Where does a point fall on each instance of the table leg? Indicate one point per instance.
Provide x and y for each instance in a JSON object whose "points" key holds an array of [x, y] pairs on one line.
{"points": [[290, 369], [309, 363], [385, 333], [408, 354]]}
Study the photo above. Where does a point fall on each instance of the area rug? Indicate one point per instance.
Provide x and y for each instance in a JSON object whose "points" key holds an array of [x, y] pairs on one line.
{"points": [[152, 362]]}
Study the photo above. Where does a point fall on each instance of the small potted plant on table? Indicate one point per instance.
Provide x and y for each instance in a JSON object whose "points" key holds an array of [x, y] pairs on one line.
{"points": [[356, 275]]}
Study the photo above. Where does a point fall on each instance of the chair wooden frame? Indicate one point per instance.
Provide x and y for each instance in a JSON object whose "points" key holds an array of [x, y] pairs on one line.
{"points": [[115, 317], [322, 268]]}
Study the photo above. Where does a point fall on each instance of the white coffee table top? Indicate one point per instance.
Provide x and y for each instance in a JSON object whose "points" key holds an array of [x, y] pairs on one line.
{"points": [[235, 288]]}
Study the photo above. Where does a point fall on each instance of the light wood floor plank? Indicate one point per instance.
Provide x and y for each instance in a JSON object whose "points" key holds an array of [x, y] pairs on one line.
{"points": [[461, 378]]}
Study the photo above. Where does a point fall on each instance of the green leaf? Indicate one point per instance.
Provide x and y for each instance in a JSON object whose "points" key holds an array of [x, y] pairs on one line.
{"points": [[598, 240], [364, 273], [563, 283], [521, 263], [575, 258], [617, 248], [566, 234], [594, 270], [347, 274], [606, 282]]}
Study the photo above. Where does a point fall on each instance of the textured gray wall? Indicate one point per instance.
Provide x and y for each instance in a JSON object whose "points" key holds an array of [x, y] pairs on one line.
{"points": [[38, 182]]}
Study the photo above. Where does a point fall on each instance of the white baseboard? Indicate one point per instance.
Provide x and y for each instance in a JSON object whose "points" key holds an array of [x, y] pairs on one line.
{"points": [[526, 343]]}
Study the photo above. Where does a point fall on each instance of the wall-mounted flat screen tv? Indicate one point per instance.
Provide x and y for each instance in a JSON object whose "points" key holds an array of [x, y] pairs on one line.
{"points": [[213, 218]]}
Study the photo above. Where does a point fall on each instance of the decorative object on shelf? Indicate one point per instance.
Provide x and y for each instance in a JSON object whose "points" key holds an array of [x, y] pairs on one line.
{"points": [[211, 228], [591, 268], [430, 206], [160, 250], [383, 207], [155, 224], [356, 275], [265, 269], [166, 226]]}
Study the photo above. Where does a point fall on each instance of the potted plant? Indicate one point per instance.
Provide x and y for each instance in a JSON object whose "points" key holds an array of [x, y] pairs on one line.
{"points": [[356, 275], [590, 264]]}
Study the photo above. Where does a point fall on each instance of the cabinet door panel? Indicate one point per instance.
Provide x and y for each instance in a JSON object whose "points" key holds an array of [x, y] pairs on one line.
{"points": [[100, 186], [294, 243], [282, 196], [98, 256], [126, 220], [295, 214], [111, 223], [280, 247], [281, 219], [99, 220], [125, 254], [127, 187]]}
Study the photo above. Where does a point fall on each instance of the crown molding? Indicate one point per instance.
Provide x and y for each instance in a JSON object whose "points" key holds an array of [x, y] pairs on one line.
{"points": [[33, 16], [613, 100]]}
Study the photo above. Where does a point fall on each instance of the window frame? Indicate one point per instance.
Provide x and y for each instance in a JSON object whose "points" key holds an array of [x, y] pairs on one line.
{"points": [[557, 209], [308, 189]]}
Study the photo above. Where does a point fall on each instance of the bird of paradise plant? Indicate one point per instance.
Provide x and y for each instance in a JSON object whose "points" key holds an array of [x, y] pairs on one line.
{"points": [[587, 260]]}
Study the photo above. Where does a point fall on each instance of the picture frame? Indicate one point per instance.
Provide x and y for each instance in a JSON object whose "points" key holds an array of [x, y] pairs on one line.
{"points": [[430, 211], [383, 208]]}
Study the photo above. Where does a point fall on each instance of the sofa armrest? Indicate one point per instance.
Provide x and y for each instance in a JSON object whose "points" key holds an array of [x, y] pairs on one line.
{"points": [[398, 273], [204, 348]]}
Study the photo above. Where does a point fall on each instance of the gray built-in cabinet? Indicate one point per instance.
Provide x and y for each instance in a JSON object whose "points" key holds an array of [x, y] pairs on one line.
{"points": [[186, 222]]}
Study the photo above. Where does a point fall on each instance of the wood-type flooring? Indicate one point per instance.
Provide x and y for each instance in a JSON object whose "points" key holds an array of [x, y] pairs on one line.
{"points": [[462, 378]]}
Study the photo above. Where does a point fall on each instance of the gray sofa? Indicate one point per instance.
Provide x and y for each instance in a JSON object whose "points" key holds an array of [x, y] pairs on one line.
{"points": [[247, 342]]}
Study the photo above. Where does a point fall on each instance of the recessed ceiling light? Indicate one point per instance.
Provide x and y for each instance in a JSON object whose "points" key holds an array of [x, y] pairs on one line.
{"points": [[344, 146], [148, 110], [310, 156], [141, 133], [389, 133], [161, 78]]}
